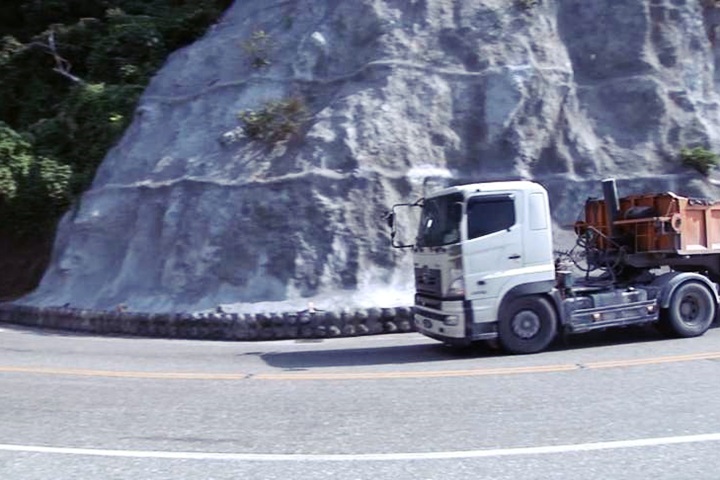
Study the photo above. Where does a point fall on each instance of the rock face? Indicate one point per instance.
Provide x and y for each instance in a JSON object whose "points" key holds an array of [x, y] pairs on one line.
{"points": [[186, 213]]}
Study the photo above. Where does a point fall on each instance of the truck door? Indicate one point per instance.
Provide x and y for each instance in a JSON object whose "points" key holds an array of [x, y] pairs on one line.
{"points": [[494, 245]]}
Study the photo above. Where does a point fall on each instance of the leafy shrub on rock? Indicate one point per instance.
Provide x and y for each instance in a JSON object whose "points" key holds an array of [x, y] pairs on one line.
{"points": [[258, 48], [528, 4], [699, 158], [275, 121]]}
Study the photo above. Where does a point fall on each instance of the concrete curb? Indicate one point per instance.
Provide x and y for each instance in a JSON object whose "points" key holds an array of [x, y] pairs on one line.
{"points": [[214, 326]]}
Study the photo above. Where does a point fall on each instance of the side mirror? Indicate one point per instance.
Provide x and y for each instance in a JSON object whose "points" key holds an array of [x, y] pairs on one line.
{"points": [[389, 218]]}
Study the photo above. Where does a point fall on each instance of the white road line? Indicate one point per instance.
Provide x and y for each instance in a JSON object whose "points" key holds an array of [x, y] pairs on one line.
{"points": [[370, 457]]}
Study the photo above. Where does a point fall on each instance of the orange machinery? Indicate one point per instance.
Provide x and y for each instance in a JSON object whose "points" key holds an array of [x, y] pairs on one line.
{"points": [[659, 223], [650, 231]]}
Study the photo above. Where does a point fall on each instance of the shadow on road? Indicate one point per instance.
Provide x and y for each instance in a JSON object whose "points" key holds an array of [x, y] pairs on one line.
{"points": [[612, 336], [428, 352], [391, 355]]}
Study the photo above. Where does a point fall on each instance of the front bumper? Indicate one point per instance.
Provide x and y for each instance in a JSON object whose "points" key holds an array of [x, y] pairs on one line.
{"points": [[450, 321]]}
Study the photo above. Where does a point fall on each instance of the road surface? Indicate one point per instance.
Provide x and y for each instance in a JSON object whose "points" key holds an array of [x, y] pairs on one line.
{"points": [[623, 405]]}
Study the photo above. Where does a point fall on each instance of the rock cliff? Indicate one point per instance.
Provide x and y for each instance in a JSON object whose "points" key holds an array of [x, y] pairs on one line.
{"points": [[187, 212]]}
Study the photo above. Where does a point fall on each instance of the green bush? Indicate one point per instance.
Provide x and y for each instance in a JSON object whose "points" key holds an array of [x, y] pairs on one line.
{"points": [[94, 116], [9, 46], [275, 121], [15, 161], [699, 158], [33, 189], [112, 46], [55, 128], [131, 49]]}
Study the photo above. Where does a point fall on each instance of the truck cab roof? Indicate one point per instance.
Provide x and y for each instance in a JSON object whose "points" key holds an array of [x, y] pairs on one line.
{"points": [[470, 188]]}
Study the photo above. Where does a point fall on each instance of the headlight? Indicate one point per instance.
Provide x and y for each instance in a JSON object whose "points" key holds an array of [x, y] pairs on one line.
{"points": [[457, 285], [451, 320]]}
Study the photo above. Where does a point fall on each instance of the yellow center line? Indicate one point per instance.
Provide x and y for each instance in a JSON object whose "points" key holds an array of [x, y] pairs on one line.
{"points": [[125, 374], [478, 372], [654, 360]]}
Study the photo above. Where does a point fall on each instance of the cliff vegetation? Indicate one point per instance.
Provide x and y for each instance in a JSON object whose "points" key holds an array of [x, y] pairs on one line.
{"points": [[71, 72]]}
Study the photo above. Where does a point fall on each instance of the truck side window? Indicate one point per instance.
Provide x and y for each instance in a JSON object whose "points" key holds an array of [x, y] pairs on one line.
{"points": [[486, 215]]}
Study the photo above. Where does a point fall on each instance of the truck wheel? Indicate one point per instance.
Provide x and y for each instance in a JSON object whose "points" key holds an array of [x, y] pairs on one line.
{"points": [[690, 313], [527, 325]]}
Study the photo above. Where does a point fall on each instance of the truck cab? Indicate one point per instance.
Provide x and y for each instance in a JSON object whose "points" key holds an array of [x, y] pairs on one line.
{"points": [[475, 245]]}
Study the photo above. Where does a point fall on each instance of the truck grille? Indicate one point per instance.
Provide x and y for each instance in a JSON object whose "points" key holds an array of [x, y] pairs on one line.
{"points": [[428, 281], [428, 302]]}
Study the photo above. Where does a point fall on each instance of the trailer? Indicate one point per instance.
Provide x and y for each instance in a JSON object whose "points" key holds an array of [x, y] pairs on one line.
{"points": [[486, 269]]}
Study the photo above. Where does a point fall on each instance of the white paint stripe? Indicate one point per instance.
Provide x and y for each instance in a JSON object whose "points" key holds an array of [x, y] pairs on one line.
{"points": [[367, 457]]}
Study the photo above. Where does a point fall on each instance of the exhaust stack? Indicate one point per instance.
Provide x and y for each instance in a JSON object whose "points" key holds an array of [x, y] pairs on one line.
{"points": [[612, 204]]}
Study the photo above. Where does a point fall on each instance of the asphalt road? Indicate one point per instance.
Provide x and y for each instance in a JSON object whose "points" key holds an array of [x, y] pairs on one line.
{"points": [[624, 405]]}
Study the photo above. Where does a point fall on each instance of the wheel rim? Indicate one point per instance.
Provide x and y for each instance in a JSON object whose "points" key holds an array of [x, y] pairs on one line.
{"points": [[526, 324], [690, 310]]}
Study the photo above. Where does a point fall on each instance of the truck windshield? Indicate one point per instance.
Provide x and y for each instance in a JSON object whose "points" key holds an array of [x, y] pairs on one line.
{"points": [[440, 221]]}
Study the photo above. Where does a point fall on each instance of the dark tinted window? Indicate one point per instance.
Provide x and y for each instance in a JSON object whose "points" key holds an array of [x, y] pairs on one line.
{"points": [[488, 215]]}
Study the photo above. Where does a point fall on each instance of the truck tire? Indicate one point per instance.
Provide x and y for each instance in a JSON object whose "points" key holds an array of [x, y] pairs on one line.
{"points": [[690, 313], [527, 325]]}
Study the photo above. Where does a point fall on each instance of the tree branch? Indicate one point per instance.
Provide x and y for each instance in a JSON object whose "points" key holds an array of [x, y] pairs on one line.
{"points": [[62, 66]]}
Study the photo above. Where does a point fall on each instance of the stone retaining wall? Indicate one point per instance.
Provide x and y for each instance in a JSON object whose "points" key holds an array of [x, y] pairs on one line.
{"points": [[214, 326]]}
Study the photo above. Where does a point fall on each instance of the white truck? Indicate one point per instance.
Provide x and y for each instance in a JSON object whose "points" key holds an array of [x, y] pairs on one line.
{"points": [[485, 267]]}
